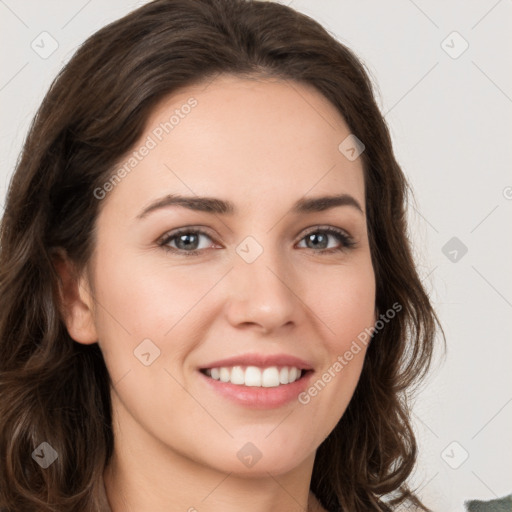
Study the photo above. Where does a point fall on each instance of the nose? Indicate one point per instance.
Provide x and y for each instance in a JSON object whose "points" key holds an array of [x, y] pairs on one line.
{"points": [[262, 294]]}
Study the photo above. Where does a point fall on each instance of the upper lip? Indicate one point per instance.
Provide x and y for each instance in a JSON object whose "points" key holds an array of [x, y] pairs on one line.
{"points": [[262, 360]]}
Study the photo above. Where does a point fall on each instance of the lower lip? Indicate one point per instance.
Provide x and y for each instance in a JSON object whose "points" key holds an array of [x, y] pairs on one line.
{"points": [[259, 397]]}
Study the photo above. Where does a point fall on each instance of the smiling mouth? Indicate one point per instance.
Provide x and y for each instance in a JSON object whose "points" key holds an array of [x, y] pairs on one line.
{"points": [[254, 376]]}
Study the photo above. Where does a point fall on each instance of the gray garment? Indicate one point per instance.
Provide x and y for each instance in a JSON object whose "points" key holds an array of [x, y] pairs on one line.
{"points": [[499, 505]]}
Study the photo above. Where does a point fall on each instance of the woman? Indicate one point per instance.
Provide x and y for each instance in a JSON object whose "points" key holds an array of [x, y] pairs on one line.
{"points": [[208, 298]]}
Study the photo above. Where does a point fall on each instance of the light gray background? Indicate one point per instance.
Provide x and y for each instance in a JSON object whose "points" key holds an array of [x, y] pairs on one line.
{"points": [[450, 120]]}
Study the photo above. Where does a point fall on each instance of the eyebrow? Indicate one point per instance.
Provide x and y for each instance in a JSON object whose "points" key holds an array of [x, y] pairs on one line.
{"points": [[222, 207]]}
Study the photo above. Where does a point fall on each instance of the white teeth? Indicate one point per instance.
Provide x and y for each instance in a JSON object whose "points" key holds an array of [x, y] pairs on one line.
{"points": [[237, 375], [225, 374], [254, 376], [270, 377]]}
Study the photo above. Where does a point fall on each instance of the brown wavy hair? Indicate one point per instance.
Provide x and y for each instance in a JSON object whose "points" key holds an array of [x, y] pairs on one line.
{"points": [[55, 390]]}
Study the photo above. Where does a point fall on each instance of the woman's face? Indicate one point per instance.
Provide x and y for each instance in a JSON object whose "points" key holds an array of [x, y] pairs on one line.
{"points": [[265, 281]]}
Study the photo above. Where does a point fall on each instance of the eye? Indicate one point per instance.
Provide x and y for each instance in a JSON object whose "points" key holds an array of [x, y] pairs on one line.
{"points": [[318, 238], [186, 241]]}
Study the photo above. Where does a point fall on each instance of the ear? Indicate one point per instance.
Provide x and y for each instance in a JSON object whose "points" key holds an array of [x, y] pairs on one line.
{"points": [[76, 300]]}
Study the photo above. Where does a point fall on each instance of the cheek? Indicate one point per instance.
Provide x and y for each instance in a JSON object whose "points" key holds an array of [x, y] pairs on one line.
{"points": [[344, 300], [143, 313], [135, 302], [345, 303], [140, 300]]}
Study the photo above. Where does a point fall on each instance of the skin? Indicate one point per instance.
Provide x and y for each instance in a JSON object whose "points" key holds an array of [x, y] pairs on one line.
{"points": [[262, 144]]}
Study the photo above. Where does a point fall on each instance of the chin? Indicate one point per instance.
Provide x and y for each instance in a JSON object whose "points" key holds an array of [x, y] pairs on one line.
{"points": [[253, 462]]}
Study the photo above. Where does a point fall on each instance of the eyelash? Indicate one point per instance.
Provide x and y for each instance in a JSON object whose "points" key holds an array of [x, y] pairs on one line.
{"points": [[347, 242]]}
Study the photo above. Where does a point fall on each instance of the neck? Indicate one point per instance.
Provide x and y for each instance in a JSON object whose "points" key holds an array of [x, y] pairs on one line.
{"points": [[204, 491], [148, 476]]}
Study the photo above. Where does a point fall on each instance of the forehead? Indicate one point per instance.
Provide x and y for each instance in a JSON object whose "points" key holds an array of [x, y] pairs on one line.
{"points": [[257, 139]]}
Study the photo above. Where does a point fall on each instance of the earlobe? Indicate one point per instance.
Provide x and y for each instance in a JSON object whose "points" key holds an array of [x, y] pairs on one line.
{"points": [[75, 300]]}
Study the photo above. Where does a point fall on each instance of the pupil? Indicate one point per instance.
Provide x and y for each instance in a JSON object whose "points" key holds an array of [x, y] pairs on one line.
{"points": [[186, 239], [315, 236]]}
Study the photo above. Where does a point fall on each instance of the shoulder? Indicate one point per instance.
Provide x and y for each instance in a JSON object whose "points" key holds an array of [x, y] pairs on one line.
{"points": [[497, 505]]}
